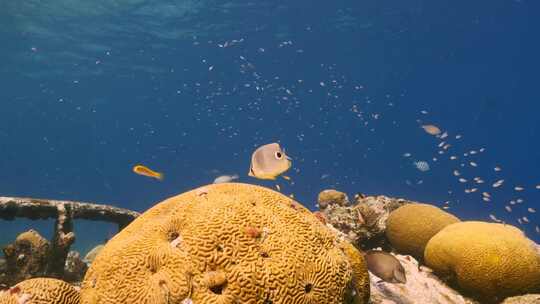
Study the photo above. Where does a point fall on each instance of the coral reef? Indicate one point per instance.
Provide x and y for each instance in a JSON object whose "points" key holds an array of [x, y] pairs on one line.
{"points": [[362, 223], [225, 243], [332, 197], [75, 267], [40, 291], [26, 257], [25, 261], [489, 260], [410, 227], [30, 256]]}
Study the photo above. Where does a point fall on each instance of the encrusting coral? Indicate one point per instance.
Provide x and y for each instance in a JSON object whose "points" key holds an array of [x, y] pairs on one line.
{"points": [[489, 260], [410, 227], [40, 291], [226, 243]]}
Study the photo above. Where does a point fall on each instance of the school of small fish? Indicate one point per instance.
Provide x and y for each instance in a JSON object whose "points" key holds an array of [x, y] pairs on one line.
{"points": [[471, 172]]}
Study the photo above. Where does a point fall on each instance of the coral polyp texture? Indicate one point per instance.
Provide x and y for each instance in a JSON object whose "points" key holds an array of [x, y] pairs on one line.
{"points": [[40, 291], [491, 261], [225, 243], [410, 227]]}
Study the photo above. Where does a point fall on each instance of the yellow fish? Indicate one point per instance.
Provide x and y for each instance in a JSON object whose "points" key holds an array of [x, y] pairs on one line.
{"points": [[143, 170], [268, 162]]}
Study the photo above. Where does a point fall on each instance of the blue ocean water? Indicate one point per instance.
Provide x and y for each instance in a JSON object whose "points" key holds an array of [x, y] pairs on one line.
{"points": [[191, 88]]}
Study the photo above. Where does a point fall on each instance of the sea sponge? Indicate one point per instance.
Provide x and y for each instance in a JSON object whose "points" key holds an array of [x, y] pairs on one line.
{"points": [[40, 291], [223, 243], [410, 227], [490, 260]]}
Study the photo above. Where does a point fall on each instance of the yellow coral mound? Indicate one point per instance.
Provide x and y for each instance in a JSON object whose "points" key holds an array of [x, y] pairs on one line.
{"points": [[486, 259], [224, 243], [410, 227], [40, 291]]}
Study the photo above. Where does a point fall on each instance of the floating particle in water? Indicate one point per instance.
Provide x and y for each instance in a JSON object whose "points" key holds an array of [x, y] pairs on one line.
{"points": [[434, 159], [519, 200], [498, 183], [431, 129], [519, 188], [462, 180], [458, 136], [424, 112], [537, 229], [421, 165], [407, 154], [482, 150], [531, 210], [456, 173], [497, 169], [473, 164], [508, 208]]}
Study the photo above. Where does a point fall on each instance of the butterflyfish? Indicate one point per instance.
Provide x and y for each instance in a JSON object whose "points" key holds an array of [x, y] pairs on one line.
{"points": [[145, 171], [268, 162]]}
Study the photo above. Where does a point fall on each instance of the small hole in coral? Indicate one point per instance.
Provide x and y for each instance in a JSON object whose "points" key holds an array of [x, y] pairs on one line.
{"points": [[219, 248], [173, 236], [308, 287], [268, 301], [253, 204], [218, 289], [265, 254]]}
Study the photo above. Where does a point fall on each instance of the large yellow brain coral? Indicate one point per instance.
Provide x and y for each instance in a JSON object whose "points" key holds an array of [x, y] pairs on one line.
{"points": [[487, 259], [410, 227], [224, 243], [40, 291]]}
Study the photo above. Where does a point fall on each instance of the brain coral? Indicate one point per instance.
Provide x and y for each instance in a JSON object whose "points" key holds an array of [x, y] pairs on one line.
{"points": [[40, 291], [487, 259], [224, 243], [410, 227]]}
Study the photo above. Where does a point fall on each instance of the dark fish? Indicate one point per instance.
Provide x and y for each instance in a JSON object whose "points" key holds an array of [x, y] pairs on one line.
{"points": [[385, 266]]}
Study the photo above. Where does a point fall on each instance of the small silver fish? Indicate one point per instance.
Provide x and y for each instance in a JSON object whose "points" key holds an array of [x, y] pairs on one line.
{"points": [[225, 178]]}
